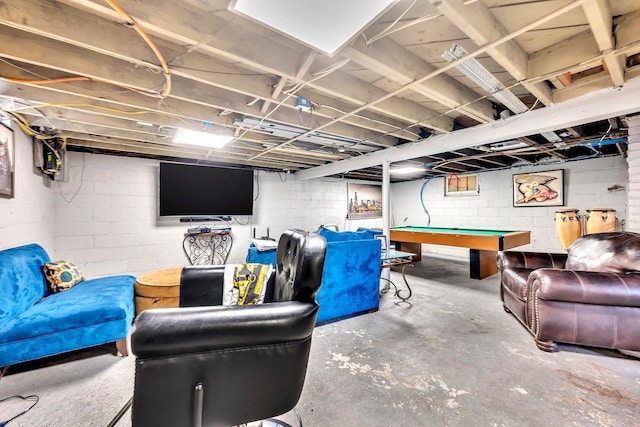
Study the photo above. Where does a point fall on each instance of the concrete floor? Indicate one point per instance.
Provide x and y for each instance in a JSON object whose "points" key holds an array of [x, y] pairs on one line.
{"points": [[450, 356]]}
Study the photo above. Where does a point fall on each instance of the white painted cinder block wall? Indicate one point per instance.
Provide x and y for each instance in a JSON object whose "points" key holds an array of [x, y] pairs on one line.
{"points": [[111, 225], [29, 216], [586, 184]]}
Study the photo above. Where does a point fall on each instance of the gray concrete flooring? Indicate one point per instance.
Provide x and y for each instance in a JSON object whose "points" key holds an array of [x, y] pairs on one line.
{"points": [[450, 356]]}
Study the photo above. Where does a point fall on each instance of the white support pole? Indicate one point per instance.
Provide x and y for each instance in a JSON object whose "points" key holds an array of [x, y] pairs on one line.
{"points": [[386, 210]]}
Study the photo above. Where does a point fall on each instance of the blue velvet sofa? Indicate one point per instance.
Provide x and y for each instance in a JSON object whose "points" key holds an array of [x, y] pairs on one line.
{"points": [[351, 275], [36, 324]]}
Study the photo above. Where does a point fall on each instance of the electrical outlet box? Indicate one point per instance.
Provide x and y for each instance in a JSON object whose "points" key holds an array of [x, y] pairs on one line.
{"points": [[303, 104]]}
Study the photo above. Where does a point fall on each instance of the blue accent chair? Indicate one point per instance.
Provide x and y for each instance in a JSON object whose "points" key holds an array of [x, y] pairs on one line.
{"points": [[261, 257], [35, 323], [351, 274]]}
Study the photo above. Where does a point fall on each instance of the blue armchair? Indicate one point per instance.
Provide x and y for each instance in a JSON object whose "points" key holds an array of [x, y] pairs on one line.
{"points": [[351, 274]]}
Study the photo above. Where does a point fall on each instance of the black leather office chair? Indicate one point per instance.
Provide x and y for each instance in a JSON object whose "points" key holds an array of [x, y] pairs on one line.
{"points": [[208, 365]]}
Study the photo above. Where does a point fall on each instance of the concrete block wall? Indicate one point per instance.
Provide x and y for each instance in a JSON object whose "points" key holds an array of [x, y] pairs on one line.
{"points": [[586, 186], [29, 216], [104, 218], [283, 202], [633, 157], [107, 223]]}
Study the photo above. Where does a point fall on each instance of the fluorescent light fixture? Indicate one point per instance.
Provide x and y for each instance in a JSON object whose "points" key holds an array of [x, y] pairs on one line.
{"points": [[204, 139], [286, 131], [483, 78], [512, 102], [508, 145], [406, 170], [521, 164], [144, 123], [549, 160], [325, 25], [488, 82], [551, 136]]}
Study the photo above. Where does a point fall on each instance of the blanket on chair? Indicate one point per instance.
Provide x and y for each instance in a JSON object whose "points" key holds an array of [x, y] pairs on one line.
{"points": [[245, 284]]}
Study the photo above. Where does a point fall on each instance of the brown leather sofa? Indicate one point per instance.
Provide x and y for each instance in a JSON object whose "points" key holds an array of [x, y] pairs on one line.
{"points": [[589, 296]]}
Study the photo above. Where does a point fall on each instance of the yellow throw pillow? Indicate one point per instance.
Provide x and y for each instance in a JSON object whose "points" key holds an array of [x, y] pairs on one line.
{"points": [[61, 275]]}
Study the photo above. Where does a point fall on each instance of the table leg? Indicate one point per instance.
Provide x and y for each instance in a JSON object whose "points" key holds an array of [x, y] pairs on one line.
{"points": [[398, 291], [482, 263], [404, 277]]}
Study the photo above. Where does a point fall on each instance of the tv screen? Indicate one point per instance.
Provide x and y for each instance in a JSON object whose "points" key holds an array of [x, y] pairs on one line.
{"points": [[187, 190]]}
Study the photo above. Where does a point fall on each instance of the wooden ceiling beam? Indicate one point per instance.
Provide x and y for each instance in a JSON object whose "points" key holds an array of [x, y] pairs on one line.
{"points": [[615, 66], [600, 20], [119, 147], [70, 121], [575, 54], [627, 33], [598, 15], [478, 23], [36, 50], [105, 37], [575, 131], [581, 52], [114, 70], [583, 86], [565, 79], [188, 27], [169, 113], [393, 61], [573, 112], [277, 90], [80, 139]]}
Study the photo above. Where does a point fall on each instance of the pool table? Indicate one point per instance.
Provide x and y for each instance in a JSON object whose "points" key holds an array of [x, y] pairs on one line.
{"points": [[483, 244]]}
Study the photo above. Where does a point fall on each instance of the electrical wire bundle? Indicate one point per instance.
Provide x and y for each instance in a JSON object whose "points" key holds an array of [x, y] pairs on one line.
{"points": [[31, 398]]}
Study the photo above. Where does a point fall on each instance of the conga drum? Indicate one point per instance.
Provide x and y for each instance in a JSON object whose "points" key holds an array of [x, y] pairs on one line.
{"points": [[600, 220], [568, 226], [158, 289]]}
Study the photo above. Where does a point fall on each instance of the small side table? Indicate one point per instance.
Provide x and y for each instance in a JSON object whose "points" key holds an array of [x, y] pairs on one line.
{"points": [[393, 258], [158, 289], [207, 248]]}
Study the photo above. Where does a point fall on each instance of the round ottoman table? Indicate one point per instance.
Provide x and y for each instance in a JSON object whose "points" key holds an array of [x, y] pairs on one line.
{"points": [[158, 289]]}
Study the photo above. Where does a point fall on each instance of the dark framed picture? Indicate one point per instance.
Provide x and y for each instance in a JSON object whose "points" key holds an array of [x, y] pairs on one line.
{"points": [[364, 201], [7, 162], [538, 189]]}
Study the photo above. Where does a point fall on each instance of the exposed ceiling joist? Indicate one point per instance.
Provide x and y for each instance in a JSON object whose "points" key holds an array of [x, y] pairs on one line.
{"points": [[578, 110], [387, 91], [476, 20]]}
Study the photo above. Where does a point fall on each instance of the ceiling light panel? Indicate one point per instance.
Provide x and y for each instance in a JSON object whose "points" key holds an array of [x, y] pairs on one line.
{"points": [[325, 25], [290, 132], [483, 78], [406, 170], [551, 136], [202, 139]]}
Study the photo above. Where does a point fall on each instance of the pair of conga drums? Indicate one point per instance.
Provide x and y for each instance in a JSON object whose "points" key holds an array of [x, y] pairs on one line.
{"points": [[569, 223]]}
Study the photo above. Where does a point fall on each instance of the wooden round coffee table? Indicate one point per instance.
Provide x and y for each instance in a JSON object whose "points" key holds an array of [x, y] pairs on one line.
{"points": [[158, 289]]}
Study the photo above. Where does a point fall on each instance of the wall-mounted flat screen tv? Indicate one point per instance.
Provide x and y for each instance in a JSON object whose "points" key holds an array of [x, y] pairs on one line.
{"points": [[188, 190]]}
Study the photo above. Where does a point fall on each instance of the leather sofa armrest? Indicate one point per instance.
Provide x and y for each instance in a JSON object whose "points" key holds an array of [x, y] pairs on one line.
{"points": [[586, 287], [530, 260], [172, 331]]}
